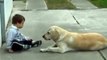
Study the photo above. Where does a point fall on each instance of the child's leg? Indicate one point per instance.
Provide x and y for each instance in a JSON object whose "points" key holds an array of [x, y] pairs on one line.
{"points": [[36, 43], [26, 42], [20, 45], [32, 43], [16, 46]]}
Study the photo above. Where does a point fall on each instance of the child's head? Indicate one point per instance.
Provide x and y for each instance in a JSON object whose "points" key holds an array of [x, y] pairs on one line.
{"points": [[18, 20]]}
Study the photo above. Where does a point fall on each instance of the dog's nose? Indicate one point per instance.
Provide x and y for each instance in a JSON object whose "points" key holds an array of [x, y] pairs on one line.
{"points": [[43, 36]]}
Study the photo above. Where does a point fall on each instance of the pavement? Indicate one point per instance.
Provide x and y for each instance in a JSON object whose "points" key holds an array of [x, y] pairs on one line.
{"points": [[38, 21], [30, 4], [83, 4]]}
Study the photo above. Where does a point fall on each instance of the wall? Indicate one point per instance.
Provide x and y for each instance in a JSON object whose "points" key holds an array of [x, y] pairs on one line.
{"points": [[8, 5], [5, 12]]}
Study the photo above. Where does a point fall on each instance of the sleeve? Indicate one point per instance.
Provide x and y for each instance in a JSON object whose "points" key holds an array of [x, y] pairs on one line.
{"points": [[9, 37], [25, 37]]}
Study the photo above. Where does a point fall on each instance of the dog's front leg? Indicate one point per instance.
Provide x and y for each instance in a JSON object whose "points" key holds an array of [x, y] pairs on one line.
{"points": [[61, 48], [56, 49], [53, 49], [47, 49]]}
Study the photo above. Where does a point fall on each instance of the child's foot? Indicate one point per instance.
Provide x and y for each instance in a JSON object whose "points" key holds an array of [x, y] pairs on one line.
{"points": [[10, 51], [26, 47], [36, 43]]}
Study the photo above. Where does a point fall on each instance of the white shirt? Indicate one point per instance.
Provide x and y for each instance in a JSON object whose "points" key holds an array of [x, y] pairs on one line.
{"points": [[13, 33]]}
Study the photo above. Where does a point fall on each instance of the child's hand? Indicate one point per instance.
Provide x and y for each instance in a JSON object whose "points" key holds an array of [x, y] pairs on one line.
{"points": [[10, 50], [27, 38]]}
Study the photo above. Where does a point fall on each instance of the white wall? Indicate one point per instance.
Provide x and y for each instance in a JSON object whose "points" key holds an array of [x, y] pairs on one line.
{"points": [[8, 5], [0, 29], [1, 18]]}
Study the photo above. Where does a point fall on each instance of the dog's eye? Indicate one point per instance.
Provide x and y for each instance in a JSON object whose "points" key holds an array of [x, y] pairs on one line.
{"points": [[48, 32]]}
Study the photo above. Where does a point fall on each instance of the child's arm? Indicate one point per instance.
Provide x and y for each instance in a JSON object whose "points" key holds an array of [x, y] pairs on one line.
{"points": [[10, 37], [25, 37]]}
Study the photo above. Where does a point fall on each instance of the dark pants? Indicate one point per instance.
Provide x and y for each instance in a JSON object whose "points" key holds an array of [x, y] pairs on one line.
{"points": [[19, 45]]}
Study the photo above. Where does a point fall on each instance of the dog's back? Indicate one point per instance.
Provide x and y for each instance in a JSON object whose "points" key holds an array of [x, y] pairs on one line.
{"points": [[88, 41]]}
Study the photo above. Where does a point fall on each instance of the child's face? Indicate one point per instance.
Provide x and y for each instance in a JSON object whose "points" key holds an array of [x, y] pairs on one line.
{"points": [[20, 25]]}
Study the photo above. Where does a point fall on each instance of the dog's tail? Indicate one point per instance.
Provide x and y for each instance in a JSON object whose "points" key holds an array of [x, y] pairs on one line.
{"points": [[105, 44]]}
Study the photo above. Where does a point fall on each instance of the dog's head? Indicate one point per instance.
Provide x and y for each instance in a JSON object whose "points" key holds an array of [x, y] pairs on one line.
{"points": [[52, 34]]}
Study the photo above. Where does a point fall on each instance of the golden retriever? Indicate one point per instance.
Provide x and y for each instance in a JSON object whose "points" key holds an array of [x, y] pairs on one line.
{"points": [[68, 41]]}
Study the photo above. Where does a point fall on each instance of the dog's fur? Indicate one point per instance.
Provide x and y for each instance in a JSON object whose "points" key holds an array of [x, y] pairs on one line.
{"points": [[67, 41]]}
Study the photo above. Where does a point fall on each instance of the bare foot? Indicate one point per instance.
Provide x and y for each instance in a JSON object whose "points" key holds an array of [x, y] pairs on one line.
{"points": [[10, 51]]}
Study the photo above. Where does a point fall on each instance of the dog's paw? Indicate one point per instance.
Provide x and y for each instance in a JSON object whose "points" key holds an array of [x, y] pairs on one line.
{"points": [[43, 50]]}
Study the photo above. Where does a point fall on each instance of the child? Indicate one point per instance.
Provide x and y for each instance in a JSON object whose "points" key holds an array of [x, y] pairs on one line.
{"points": [[15, 40]]}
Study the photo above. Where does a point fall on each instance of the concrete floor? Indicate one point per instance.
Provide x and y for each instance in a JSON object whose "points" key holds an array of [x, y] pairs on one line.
{"points": [[38, 22]]}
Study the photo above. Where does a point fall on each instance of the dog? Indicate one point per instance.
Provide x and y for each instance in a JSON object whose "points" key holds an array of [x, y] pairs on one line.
{"points": [[71, 41]]}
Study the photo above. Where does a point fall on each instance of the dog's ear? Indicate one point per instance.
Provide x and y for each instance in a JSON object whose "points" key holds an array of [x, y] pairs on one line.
{"points": [[55, 35]]}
